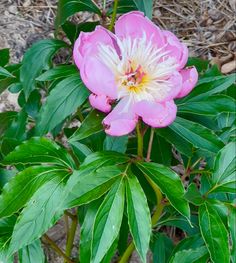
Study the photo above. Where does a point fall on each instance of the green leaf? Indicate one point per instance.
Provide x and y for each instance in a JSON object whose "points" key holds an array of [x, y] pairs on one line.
{"points": [[169, 183], [5, 176], [108, 221], [190, 255], [39, 55], [117, 144], [22, 187], [89, 184], [145, 6], [232, 228], [37, 151], [179, 222], [6, 228], [223, 177], [73, 30], [196, 134], [193, 195], [161, 248], [6, 119], [139, 218], [200, 64], [6, 82], [210, 86], [18, 126], [4, 56], [87, 231], [67, 8], [40, 213], [124, 6], [58, 72], [91, 125], [62, 101], [5, 73], [210, 106], [80, 150], [181, 144], [214, 234], [32, 253]]}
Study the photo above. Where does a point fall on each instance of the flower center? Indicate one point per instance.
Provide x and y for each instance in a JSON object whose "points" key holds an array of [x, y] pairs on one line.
{"points": [[134, 78]]}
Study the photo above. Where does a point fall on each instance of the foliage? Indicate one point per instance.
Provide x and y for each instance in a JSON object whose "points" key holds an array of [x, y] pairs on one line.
{"points": [[49, 167]]}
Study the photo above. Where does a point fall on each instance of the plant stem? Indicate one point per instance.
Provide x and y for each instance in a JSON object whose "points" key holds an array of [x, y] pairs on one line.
{"points": [[104, 4], [140, 140], [57, 249], [71, 234], [128, 252], [113, 18], [148, 159]]}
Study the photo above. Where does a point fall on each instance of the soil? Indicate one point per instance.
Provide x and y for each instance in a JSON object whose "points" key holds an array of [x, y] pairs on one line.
{"points": [[207, 26]]}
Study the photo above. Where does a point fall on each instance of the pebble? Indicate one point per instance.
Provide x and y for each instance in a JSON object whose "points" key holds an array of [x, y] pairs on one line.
{"points": [[228, 67]]}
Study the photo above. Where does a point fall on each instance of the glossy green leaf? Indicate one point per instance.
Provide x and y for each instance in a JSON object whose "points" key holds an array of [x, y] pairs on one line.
{"points": [[214, 233], [108, 221], [80, 150], [161, 247], [6, 119], [22, 187], [62, 101], [196, 134], [180, 143], [5, 73], [4, 56], [40, 213], [210, 106], [91, 125], [210, 86], [169, 183], [67, 8], [39, 55], [145, 6], [58, 72], [124, 6], [73, 30], [89, 184], [223, 178], [117, 144], [199, 63], [32, 253], [18, 126], [190, 255], [139, 218], [6, 82], [232, 228], [37, 151], [87, 231], [6, 228], [5, 176], [193, 195]]}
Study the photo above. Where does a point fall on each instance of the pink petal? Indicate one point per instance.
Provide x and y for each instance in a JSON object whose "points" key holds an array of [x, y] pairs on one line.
{"points": [[95, 74], [87, 43], [121, 121], [176, 49], [134, 24], [175, 84], [190, 78], [97, 77], [156, 114], [100, 102]]}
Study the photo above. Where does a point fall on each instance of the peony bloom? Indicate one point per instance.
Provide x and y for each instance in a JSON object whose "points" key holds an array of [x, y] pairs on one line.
{"points": [[140, 68]]}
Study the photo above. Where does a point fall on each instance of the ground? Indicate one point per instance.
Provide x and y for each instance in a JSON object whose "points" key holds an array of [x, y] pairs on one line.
{"points": [[206, 26]]}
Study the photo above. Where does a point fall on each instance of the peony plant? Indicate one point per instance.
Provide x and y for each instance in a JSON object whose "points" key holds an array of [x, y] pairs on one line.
{"points": [[128, 142]]}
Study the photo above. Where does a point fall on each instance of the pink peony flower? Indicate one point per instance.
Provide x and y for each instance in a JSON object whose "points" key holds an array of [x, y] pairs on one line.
{"points": [[140, 67]]}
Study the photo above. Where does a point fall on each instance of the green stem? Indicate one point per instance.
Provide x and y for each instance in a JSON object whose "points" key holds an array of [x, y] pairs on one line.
{"points": [[57, 249], [148, 159], [140, 140], [104, 4], [71, 234], [200, 172], [113, 18], [129, 250]]}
